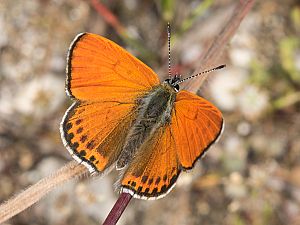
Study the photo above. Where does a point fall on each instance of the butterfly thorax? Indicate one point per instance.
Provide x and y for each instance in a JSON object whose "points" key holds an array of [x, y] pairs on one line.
{"points": [[154, 111]]}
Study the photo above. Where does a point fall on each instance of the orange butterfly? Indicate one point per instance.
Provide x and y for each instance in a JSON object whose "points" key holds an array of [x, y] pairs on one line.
{"points": [[123, 117]]}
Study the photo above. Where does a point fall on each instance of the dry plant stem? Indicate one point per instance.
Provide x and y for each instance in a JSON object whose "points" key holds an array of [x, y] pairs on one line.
{"points": [[34, 193], [119, 207], [210, 56]]}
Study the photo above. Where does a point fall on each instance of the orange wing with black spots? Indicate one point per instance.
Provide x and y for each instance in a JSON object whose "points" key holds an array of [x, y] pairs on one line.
{"points": [[94, 133], [99, 69], [105, 81], [155, 168], [196, 124]]}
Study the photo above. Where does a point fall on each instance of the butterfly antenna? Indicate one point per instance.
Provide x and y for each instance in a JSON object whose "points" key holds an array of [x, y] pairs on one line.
{"points": [[169, 49], [198, 74]]}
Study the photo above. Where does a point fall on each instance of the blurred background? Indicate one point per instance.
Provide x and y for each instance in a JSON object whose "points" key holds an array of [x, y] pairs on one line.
{"points": [[251, 176]]}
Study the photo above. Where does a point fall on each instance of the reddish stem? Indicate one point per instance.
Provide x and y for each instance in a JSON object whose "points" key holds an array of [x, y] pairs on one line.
{"points": [[119, 207]]}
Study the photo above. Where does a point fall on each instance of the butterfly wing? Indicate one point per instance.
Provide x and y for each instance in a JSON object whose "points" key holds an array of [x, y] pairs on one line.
{"points": [[99, 69], [196, 125], [105, 81], [94, 133], [154, 170]]}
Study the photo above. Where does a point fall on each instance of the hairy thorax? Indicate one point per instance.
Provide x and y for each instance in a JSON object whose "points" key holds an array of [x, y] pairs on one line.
{"points": [[154, 111]]}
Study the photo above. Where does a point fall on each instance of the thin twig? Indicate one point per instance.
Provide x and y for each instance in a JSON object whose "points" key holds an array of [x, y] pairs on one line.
{"points": [[119, 207], [35, 192], [210, 56]]}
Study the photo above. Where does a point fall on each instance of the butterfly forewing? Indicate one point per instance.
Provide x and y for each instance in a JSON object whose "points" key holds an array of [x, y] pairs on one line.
{"points": [[99, 69], [196, 124]]}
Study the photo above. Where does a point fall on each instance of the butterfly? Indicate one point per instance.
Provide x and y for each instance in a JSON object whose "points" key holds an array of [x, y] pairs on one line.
{"points": [[123, 117]]}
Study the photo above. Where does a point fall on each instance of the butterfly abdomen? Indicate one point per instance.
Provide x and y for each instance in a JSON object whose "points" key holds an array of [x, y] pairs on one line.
{"points": [[154, 111]]}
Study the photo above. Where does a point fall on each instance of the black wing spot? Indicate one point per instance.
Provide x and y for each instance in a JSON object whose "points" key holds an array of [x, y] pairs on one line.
{"points": [[165, 177], [144, 179], [82, 153], [68, 126], [150, 181], [69, 137], [90, 145], [75, 145], [139, 189], [147, 190], [157, 180], [79, 130], [164, 188], [78, 121], [173, 180], [83, 138], [154, 192]]}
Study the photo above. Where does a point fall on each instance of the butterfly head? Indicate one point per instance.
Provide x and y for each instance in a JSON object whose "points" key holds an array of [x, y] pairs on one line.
{"points": [[174, 82]]}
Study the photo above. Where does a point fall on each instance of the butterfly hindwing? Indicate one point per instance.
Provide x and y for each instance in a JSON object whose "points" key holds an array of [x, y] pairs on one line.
{"points": [[196, 124], [95, 132], [154, 170]]}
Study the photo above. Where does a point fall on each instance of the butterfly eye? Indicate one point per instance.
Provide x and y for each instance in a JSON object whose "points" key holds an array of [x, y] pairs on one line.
{"points": [[176, 87]]}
